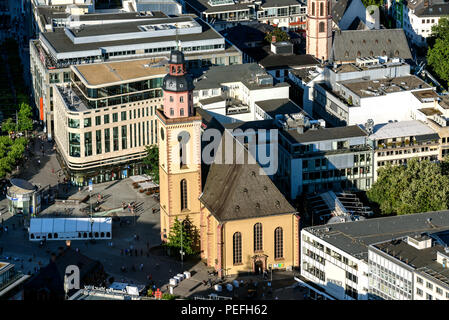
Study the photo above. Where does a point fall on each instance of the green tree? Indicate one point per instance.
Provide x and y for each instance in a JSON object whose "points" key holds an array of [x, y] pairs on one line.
{"points": [[25, 118], [438, 53], [185, 232], [420, 186], [280, 35], [9, 126], [152, 162]]}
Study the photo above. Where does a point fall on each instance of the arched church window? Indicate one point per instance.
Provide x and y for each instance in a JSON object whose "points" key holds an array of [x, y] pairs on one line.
{"points": [[321, 27], [237, 248], [258, 237], [278, 243], [183, 194]]}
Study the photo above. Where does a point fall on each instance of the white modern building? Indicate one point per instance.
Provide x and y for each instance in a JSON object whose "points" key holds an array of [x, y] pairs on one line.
{"points": [[70, 229], [337, 263], [237, 92], [417, 17], [414, 267]]}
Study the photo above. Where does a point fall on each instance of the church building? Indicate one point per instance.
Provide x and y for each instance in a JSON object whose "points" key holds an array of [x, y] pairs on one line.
{"points": [[244, 222]]}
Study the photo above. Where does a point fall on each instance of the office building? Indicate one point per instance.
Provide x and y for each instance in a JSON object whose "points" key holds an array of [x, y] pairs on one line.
{"points": [[105, 117], [54, 52]]}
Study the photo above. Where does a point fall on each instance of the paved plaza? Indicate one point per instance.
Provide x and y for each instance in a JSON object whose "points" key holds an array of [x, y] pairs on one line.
{"points": [[138, 232]]}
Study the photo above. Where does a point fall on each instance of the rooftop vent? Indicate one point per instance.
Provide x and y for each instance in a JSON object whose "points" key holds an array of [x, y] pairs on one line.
{"points": [[420, 241]]}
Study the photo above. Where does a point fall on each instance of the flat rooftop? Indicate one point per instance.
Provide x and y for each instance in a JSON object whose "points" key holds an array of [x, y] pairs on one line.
{"points": [[426, 95], [100, 74], [430, 111], [323, 134], [401, 129], [279, 106], [60, 43], [424, 260], [246, 73], [372, 88], [355, 237]]}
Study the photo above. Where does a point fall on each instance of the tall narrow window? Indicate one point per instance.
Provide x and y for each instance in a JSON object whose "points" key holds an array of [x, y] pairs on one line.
{"points": [[181, 112], [237, 247], [278, 243], [313, 8], [258, 237], [321, 9], [183, 194], [321, 27]]}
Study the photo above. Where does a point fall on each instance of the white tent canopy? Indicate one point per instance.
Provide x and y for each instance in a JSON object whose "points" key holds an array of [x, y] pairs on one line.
{"points": [[70, 228]]}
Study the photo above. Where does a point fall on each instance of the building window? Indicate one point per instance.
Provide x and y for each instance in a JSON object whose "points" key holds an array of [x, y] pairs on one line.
{"points": [[74, 144], [321, 27], [313, 8], [321, 9], [419, 280], [88, 144], [183, 194], [429, 285], [237, 248], [98, 120], [181, 99], [107, 140], [419, 292], [172, 112], [115, 138], [98, 138], [181, 112], [351, 292], [123, 117], [115, 117], [428, 296], [87, 122], [171, 98], [278, 243], [258, 237], [124, 137], [106, 119]]}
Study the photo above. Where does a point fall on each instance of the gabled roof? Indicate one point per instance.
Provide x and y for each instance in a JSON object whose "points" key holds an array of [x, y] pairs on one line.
{"points": [[241, 191], [351, 44]]}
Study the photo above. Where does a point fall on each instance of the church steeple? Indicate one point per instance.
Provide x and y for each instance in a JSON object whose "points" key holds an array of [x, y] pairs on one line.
{"points": [[319, 28], [177, 87]]}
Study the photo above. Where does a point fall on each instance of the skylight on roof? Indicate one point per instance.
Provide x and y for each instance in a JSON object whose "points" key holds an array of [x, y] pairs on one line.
{"points": [[220, 2]]}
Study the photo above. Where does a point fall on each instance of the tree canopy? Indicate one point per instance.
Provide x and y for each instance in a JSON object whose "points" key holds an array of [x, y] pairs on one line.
{"points": [[280, 35], [11, 152], [152, 162], [438, 53], [189, 236], [420, 186]]}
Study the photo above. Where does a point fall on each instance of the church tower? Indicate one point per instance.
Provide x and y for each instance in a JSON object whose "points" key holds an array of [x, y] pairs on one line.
{"points": [[179, 149], [319, 29]]}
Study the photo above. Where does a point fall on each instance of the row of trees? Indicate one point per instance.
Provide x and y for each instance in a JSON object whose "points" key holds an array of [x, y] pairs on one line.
{"points": [[420, 186], [12, 149], [438, 53]]}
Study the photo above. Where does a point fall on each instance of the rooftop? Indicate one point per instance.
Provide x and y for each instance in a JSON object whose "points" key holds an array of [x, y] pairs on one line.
{"points": [[100, 74], [275, 61], [278, 106], [372, 88], [355, 237], [241, 191], [251, 74], [434, 10], [350, 44], [426, 95], [401, 129], [323, 134], [424, 260]]}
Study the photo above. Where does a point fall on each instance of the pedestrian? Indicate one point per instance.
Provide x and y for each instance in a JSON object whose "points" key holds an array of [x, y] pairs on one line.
{"points": [[141, 267]]}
